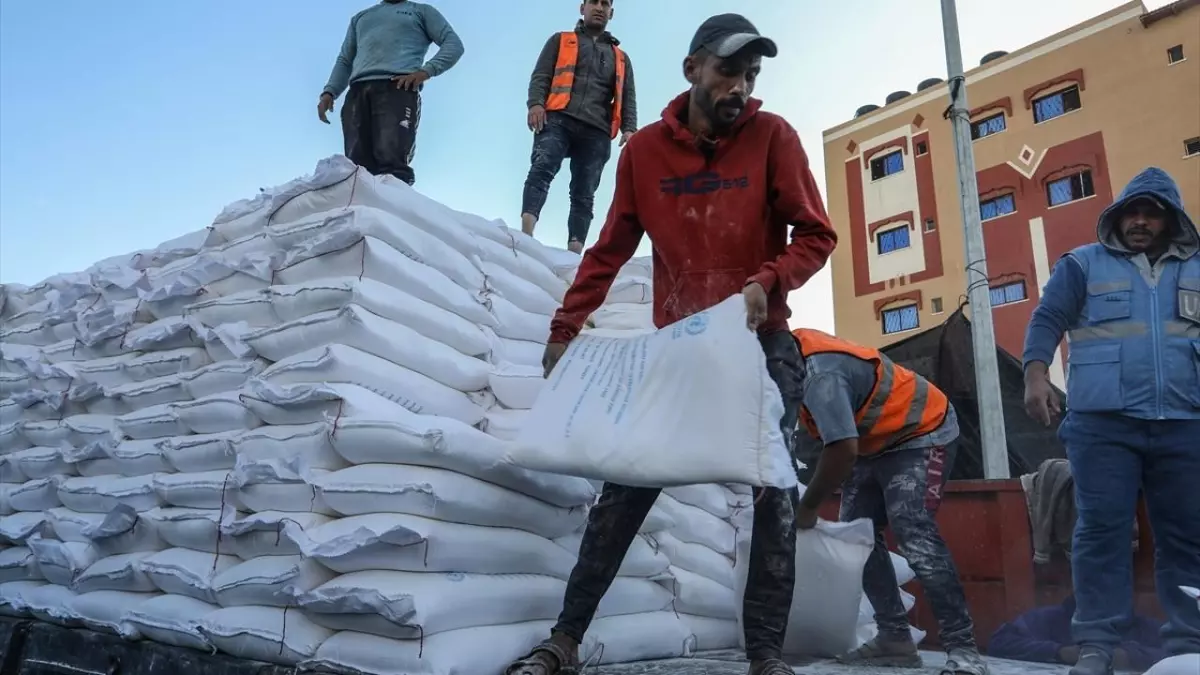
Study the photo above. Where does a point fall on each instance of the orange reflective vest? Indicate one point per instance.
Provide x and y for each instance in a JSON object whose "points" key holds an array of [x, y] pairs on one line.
{"points": [[902, 405], [564, 77]]}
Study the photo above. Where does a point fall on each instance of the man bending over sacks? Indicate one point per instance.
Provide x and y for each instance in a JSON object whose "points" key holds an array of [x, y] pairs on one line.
{"points": [[885, 430], [715, 184]]}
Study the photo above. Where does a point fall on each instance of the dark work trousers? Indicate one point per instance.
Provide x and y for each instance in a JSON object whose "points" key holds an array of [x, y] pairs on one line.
{"points": [[1113, 457], [904, 488], [379, 123], [589, 149], [615, 520]]}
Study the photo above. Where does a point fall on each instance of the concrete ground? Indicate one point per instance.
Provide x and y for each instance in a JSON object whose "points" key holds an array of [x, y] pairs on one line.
{"points": [[731, 663]]}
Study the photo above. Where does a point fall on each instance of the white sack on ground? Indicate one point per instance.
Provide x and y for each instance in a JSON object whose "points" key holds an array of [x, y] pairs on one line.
{"points": [[172, 620], [644, 559], [832, 556], [104, 611], [692, 403], [637, 637]]}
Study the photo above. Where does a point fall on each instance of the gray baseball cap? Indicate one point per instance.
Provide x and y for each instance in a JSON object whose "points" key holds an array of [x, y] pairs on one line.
{"points": [[727, 34]]}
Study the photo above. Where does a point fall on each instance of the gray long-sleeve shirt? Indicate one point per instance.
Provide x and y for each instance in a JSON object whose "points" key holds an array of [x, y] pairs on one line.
{"points": [[595, 81], [392, 39]]}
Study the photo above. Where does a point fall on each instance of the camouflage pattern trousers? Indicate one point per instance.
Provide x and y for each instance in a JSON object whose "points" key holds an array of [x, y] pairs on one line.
{"points": [[904, 489], [616, 518]]}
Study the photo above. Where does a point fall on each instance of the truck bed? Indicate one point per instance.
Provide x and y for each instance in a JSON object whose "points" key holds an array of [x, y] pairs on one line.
{"points": [[30, 647]]}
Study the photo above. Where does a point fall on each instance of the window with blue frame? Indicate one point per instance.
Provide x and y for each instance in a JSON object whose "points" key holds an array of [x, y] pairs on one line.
{"points": [[1007, 294], [988, 126], [901, 319], [893, 240], [882, 167], [997, 206], [1057, 104], [1070, 188]]}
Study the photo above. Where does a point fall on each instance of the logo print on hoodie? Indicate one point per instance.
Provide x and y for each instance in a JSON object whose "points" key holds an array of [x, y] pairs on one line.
{"points": [[703, 183]]}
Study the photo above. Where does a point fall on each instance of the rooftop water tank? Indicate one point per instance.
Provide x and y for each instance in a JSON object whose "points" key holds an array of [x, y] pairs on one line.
{"points": [[931, 82], [988, 58], [863, 110], [896, 96]]}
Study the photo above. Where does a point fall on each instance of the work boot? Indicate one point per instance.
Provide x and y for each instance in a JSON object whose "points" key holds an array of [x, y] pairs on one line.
{"points": [[884, 653], [964, 661], [1093, 661]]}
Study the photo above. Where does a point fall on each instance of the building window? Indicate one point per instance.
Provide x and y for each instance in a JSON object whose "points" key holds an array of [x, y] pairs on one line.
{"points": [[882, 167], [1057, 104], [893, 240], [988, 126], [922, 148], [1191, 147], [900, 319], [1007, 294], [997, 206], [930, 226], [935, 305], [1070, 188], [1175, 54]]}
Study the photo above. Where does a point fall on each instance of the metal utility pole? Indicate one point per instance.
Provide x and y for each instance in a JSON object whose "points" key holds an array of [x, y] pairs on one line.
{"points": [[983, 335]]}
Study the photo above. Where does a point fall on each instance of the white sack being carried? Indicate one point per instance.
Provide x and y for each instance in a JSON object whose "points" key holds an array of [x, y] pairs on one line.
{"points": [[388, 541], [691, 403], [441, 495], [824, 616]]}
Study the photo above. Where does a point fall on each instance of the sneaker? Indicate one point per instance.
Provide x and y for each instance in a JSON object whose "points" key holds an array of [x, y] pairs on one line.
{"points": [[1093, 661], [964, 662], [884, 653]]}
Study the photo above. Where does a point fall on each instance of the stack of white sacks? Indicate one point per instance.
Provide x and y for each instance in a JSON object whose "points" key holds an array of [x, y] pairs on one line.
{"points": [[265, 437], [280, 436]]}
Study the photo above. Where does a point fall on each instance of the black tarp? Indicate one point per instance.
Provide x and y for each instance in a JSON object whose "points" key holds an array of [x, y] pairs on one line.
{"points": [[945, 356]]}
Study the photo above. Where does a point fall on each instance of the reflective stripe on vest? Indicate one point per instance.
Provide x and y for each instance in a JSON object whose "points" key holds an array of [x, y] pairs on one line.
{"points": [[564, 78], [901, 406]]}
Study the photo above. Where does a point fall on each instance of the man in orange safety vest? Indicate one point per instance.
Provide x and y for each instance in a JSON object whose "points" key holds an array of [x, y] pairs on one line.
{"points": [[581, 97], [884, 431]]}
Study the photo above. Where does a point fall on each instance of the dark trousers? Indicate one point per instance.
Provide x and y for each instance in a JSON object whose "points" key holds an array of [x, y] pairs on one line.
{"points": [[379, 124], [589, 149], [1112, 456], [904, 488], [615, 520]]}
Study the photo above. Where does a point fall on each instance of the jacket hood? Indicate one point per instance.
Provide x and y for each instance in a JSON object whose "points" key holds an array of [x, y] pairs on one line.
{"points": [[676, 112], [607, 36], [1158, 184]]}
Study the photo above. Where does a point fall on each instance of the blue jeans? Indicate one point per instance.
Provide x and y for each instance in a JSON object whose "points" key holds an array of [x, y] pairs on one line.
{"points": [[1112, 456], [589, 149]]}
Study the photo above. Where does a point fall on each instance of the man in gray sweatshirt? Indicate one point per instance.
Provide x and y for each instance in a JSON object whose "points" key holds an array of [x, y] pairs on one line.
{"points": [[383, 62], [581, 96]]}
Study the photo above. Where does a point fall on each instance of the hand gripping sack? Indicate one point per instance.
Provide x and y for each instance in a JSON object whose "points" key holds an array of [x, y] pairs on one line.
{"points": [[690, 403]]}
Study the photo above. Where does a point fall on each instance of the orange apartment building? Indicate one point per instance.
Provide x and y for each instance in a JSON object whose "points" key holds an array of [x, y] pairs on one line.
{"points": [[1059, 126]]}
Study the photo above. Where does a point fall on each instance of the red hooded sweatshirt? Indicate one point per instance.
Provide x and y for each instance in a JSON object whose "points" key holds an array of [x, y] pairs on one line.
{"points": [[717, 215]]}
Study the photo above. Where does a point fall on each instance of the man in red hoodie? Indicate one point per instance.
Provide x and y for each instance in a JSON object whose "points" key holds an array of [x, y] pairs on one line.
{"points": [[716, 184]]}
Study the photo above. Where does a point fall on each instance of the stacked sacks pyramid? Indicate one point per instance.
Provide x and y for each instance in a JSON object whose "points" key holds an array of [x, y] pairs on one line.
{"points": [[266, 437]]}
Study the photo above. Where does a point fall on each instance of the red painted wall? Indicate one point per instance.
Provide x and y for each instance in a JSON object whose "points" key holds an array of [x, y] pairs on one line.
{"points": [[1009, 249]]}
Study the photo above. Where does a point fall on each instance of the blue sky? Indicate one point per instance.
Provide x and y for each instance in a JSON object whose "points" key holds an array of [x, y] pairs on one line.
{"points": [[126, 123]]}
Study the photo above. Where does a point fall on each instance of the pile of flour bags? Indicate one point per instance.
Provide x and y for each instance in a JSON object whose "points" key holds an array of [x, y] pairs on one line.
{"points": [[279, 437]]}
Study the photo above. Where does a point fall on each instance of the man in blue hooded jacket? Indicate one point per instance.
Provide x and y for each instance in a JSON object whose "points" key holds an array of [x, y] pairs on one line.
{"points": [[1130, 307]]}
